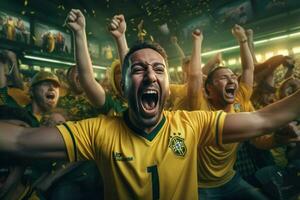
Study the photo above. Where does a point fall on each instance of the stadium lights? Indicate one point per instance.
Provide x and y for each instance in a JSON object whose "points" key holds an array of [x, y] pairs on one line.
{"points": [[269, 54], [258, 57], [99, 67], [58, 61], [232, 61], [283, 52], [296, 50], [256, 42]]}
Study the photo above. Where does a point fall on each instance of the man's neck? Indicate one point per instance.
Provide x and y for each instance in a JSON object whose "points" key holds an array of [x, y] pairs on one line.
{"points": [[36, 109], [147, 130], [218, 105]]}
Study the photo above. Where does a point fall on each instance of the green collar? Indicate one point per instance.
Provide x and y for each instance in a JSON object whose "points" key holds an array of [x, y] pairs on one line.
{"points": [[148, 136]]}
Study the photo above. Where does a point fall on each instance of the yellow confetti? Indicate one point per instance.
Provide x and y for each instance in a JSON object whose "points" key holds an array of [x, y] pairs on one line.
{"points": [[151, 38], [62, 7], [23, 12], [25, 2], [33, 38], [90, 33], [32, 12]]}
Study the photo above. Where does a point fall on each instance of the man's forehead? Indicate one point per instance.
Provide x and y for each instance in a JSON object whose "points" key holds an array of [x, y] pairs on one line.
{"points": [[146, 55], [224, 71], [46, 83]]}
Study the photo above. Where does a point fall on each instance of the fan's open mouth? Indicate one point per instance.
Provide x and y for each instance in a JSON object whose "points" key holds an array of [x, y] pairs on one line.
{"points": [[149, 99], [50, 96], [230, 91]]}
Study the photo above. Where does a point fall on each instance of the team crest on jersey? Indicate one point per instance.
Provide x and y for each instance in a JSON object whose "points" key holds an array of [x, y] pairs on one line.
{"points": [[237, 107], [178, 146]]}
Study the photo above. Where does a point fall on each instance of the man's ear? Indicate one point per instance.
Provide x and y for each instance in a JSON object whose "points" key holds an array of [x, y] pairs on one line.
{"points": [[208, 89]]}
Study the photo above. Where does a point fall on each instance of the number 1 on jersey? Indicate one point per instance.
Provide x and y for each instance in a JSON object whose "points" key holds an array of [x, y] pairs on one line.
{"points": [[155, 181]]}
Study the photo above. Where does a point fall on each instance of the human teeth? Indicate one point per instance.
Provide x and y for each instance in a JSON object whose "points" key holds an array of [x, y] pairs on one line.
{"points": [[150, 92], [230, 87]]}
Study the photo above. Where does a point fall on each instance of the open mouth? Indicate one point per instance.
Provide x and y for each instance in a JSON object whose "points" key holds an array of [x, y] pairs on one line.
{"points": [[230, 91], [149, 99], [50, 96]]}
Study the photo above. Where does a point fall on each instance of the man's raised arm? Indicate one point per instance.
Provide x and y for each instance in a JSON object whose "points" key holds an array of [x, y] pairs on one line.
{"points": [[117, 28], [242, 126], [195, 76], [94, 91], [246, 57]]}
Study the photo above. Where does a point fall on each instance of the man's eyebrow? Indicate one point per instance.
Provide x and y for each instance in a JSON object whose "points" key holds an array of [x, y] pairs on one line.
{"points": [[138, 63], [146, 63], [155, 63]]}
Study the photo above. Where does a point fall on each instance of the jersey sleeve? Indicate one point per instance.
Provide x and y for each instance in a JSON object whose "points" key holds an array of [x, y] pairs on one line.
{"points": [[208, 126], [80, 138], [244, 97], [244, 92]]}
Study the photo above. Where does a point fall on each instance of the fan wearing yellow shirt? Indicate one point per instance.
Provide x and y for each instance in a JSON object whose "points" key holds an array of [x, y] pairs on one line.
{"points": [[216, 176], [149, 153], [179, 93]]}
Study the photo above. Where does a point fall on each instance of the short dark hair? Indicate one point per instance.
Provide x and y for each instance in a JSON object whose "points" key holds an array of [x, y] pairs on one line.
{"points": [[17, 113], [138, 46], [210, 75]]}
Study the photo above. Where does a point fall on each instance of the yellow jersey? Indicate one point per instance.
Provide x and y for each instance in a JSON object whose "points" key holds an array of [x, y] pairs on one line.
{"points": [[178, 97], [20, 96], [136, 165], [215, 163]]}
